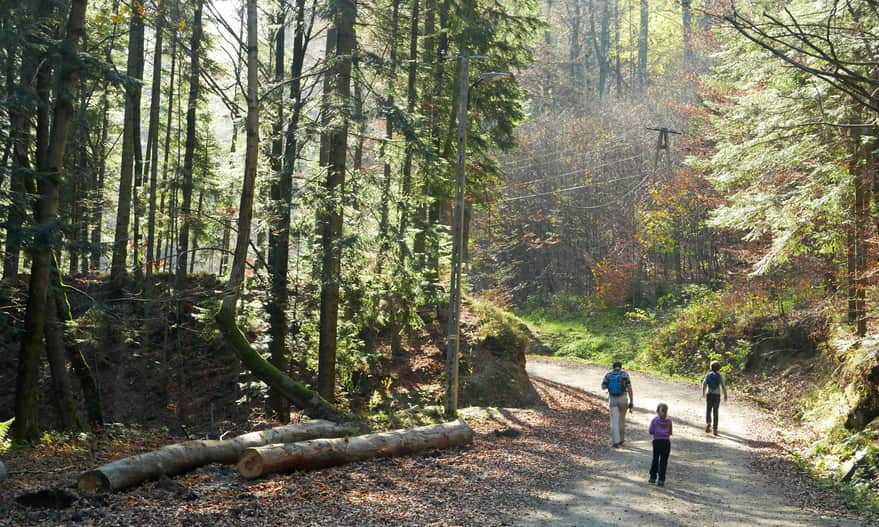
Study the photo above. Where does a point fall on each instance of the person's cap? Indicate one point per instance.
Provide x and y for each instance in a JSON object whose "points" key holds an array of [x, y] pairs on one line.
{"points": [[617, 364]]}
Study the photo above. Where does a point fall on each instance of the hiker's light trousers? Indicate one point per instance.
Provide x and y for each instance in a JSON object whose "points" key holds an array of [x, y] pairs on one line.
{"points": [[618, 404]]}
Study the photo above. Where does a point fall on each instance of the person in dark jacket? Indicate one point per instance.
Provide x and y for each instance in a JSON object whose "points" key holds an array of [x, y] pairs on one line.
{"points": [[713, 384]]}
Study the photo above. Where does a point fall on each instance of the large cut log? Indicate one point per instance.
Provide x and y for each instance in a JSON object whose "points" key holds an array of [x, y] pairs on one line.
{"points": [[182, 457], [318, 453]]}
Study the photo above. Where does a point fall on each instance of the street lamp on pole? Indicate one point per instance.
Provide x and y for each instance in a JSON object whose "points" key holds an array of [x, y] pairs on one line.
{"points": [[454, 334]]}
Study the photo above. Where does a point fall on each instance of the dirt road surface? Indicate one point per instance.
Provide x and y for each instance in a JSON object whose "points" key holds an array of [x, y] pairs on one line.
{"points": [[710, 480]]}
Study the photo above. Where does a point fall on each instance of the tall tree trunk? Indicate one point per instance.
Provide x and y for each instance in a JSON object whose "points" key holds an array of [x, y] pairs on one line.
{"points": [[195, 231], [80, 366], [131, 128], [9, 74], [687, 26], [297, 393], [601, 42], [362, 121], [576, 55], [279, 233], [857, 236], [166, 152], [439, 208], [618, 52], [25, 426], [153, 143], [423, 211], [61, 386], [411, 96], [384, 221], [100, 153], [55, 352], [642, 45], [279, 255], [20, 119], [330, 223], [189, 154], [97, 216]]}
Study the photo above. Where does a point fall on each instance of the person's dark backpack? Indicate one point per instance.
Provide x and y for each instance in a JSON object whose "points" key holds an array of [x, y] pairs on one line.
{"points": [[713, 380], [615, 384]]}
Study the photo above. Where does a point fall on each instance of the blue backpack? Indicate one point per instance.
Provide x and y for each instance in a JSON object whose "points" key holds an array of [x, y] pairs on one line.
{"points": [[615, 384], [713, 380]]}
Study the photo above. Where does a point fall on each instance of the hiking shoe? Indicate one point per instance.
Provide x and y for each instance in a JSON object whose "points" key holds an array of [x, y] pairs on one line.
{"points": [[707, 428], [621, 443], [616, 445], [715, 431], [660, 483], [651, 480]]}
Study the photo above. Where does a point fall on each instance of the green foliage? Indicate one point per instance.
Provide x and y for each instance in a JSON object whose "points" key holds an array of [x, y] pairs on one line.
{"points": [[5, 442], [500, 324], [711, 327], [64, 441], [832, 453], [569, 328], [560, 306], [787, 181]]}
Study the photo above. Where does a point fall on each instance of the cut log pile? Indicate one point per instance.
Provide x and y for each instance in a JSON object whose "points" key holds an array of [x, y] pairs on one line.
{"points": [[182, 457], [308, 445], [319, 453]]}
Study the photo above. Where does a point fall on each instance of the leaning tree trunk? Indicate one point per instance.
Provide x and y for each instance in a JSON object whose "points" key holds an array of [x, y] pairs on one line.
{"points": [[183, 457], [24, 426], [319, 453], [297, 393]]}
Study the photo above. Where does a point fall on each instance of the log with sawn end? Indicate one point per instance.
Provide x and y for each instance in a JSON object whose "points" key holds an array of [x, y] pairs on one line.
{"points": [[182, 457], [318, 453]]}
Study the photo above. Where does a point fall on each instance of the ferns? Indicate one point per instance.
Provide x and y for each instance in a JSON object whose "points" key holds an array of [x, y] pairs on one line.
{"points": [[4, 432]]}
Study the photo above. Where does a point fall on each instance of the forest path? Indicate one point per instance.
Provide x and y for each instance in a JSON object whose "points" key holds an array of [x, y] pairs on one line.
{"points": [[709, 481]]}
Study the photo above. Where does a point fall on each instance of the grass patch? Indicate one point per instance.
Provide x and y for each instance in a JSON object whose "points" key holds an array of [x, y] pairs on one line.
{"points": [[599, 336]]}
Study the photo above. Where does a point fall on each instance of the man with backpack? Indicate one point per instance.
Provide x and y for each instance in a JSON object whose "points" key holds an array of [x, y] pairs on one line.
{"points": [[619, 390], [712, 385]]}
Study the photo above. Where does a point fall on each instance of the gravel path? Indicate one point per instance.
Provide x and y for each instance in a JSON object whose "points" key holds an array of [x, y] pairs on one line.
{"points": [[710, 479]]}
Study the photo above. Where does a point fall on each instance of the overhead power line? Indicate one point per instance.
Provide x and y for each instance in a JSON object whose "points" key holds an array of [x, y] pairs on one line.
{"points": [[570, 173]]}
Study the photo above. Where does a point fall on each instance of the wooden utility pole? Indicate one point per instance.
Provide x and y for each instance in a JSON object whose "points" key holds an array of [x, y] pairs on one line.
{"points": [[454, 338]]}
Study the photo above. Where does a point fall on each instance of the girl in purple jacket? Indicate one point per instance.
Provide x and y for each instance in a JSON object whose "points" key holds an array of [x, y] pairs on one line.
{"points": [[660, 429]]}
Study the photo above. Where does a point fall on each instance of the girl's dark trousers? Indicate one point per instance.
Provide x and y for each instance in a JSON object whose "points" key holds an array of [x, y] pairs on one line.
{"points": [[661, 450]]}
